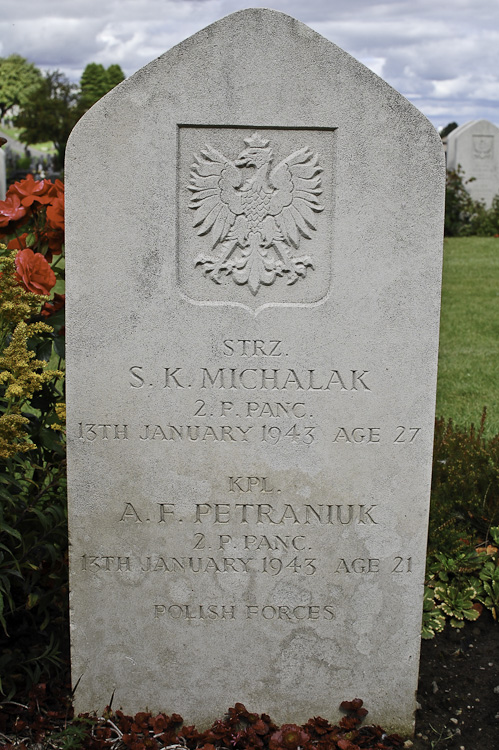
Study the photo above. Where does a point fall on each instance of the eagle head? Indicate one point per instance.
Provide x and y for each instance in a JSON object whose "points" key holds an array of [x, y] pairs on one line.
{"points": [[256, 154]]}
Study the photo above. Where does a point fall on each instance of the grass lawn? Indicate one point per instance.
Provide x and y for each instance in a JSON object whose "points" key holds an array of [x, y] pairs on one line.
{"points": [[468, 364], [48, 146]]}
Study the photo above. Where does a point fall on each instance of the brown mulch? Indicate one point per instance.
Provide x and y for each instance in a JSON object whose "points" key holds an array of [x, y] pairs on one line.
{"points": [[458, 696], [459, 688]]}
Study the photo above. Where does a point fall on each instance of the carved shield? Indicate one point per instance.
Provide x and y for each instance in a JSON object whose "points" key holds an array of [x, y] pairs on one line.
{"points": [[255, 212]]}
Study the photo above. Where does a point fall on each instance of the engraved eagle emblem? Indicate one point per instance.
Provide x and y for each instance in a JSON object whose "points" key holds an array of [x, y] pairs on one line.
{"points": [[256, 221]]}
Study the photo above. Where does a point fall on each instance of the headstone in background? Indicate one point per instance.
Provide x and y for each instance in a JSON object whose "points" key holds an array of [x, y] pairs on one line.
{"points": [[475, 147], [254, 237], [3, 176]]}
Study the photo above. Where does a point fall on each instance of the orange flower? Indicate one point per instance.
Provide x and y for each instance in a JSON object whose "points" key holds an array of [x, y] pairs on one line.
{"points": [[31, 190], [18, 243], [55, 241], [55, 213], [11, 209], [33, 272], [58, 188], [54, 229], [53, 305]]}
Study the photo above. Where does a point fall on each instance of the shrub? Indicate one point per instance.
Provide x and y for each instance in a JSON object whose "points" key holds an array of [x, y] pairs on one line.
{"points": [[33, 527], [465, 216], [465, 485], [459, 205], [485, 222]]}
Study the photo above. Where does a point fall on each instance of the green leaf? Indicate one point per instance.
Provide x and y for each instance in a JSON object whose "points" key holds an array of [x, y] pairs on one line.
{"points": [[51, 440], [9, 530], [32, 600], [471, 614], [3, 624], [60, 346], [489, 572], [57, 319], [44, 350], [494, 533]]}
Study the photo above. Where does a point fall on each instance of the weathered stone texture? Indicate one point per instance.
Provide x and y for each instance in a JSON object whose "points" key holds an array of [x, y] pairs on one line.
{"points": [[254, 252]]}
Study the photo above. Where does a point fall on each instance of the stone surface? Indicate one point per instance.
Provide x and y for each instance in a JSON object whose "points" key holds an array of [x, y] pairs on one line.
{"points": [[254, 236], [475, 147]]}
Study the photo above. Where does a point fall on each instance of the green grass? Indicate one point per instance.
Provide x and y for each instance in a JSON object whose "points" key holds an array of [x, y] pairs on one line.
{"points": [[47, 146], [468, 365]]}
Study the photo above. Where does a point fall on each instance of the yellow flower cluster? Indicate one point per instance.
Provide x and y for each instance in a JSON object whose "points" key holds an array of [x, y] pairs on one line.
{"points": [[20, 371], [60, 410], [16, 304], [12, 436]]}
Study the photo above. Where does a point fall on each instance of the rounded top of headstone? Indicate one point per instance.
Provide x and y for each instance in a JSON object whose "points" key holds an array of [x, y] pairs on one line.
{"points": [[484, 125], [275, 60]]}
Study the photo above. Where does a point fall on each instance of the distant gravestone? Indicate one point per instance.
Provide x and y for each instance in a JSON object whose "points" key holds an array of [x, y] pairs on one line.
{"points": [[3, 176], [254, 232], [475, 147]]}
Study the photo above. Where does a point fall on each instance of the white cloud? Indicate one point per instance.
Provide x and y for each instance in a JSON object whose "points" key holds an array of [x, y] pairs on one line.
{"points": [[443, 54]]}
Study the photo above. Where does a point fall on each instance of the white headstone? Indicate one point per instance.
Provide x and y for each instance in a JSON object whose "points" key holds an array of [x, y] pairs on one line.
{"points": [[474, 147], [254, 236], [3, 176]]}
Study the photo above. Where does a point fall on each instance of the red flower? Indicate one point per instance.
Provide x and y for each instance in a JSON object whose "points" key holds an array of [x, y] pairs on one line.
{"points": [[55, 213], [356, 706], [54, 229], [18, 243], [58, 188], [55, 241], [345, 744], [260, 727], [33, 272], [11, 210], [48, 309], [319, 725], [31, 190], [288, 737]]}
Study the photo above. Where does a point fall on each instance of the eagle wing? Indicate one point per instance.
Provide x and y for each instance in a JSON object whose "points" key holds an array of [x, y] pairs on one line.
{"points": [[295, 201], [214, 183]]}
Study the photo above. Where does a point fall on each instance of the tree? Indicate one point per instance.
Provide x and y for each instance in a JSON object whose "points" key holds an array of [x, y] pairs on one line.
{"points": [[50, 113], [115, 75], [93, 85], [17, 79], [459, 205], [55, 105], [96, 81], [448, 129]]}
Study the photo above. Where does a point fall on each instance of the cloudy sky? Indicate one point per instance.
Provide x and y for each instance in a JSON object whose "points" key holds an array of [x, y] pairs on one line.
{"points": [[443, 55]]}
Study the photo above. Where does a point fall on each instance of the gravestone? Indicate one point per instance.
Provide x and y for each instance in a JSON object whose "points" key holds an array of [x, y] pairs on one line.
{"points": [[254, 237], [3, 176], [475, 147]]}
